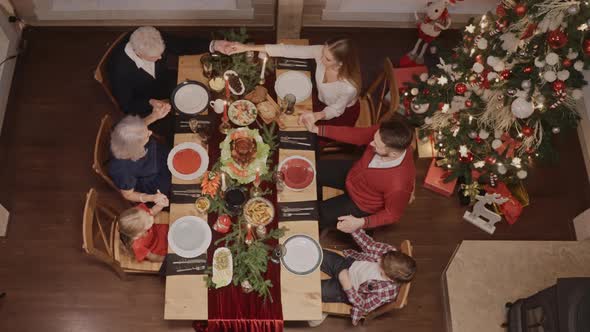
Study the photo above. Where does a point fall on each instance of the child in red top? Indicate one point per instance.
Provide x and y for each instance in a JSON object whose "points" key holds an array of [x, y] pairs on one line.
{"points": [[139, 233]]}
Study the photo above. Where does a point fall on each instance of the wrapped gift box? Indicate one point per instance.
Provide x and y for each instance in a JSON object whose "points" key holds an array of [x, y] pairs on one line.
{"points": [[435, 180], [424, 146]]}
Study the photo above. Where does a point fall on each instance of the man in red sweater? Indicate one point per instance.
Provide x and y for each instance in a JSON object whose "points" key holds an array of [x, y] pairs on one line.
{"points": [[378, 186]]}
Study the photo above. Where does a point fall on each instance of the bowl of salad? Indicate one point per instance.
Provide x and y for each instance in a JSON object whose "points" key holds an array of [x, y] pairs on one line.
{"points": [[242, 112]]}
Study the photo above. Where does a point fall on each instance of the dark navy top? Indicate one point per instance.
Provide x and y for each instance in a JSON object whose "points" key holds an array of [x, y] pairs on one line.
{"points": [[145, 175]]}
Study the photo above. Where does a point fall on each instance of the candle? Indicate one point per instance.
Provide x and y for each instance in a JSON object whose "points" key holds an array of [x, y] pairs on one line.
{"points": [[263, 66], [249, 236], [225, 111], [223, 182], [227, 88]]}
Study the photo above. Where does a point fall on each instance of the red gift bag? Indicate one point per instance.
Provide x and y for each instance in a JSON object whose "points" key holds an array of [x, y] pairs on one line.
{"points": [[435, 180]]}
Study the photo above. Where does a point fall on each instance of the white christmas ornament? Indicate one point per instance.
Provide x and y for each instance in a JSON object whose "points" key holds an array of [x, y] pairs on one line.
{"points": [[483, 134], [428, 120], [571, 54], [479, 164], [579, 65], [509, 42], [414, 91], [423, 77], [492, 60], [420, 108], [522, 174], [442, 80], [477, 67], [482, 43], [499, 66], [431, 81], [577, 94], [498, 133], [492, 76], [496, 144], [516, 162], [502, 169], [552, 59], [563, 75], [551, 22], [521, 108], [463, 150], [470, 28], [549, 76], [539, 63], [526, 84]]}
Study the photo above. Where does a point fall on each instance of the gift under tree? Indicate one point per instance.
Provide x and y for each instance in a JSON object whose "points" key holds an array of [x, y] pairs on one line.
{"points": [[492, 107]]}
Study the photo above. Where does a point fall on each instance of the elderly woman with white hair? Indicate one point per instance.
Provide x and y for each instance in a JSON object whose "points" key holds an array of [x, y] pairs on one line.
{"points": [[138, 165], [138, 74]]}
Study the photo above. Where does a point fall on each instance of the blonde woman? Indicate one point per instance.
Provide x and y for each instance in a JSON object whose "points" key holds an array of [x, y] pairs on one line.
{"points": [[138, 167], [141, 236], [337, 76]]}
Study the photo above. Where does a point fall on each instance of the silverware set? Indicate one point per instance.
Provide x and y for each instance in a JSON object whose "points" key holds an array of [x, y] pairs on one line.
{"points": [[187, 192], [290, 212], [293, 63], [190, 261], [294, 140], [296, 214], [196, 268]]}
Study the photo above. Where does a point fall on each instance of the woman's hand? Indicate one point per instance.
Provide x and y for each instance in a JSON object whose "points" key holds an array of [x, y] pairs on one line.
{"points": [[308, 120], [239, 48], [224, 46], [160, 108], [349, 224], [160, 199]]}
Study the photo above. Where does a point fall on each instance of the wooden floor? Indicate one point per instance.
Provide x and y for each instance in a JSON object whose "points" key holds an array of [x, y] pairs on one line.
{"points": [[45, 171]]}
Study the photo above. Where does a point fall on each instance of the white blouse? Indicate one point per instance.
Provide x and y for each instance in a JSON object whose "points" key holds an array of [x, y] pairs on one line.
{"points": [[363, 271], [336, 95]]}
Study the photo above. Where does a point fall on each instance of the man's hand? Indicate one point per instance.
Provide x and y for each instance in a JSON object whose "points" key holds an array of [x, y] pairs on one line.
{"points": [[159, 109], [308, 120], [224, 46], [349, 224], [344, 279]]}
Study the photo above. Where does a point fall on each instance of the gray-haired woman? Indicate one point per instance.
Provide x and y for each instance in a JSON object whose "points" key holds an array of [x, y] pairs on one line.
{"points": [[138, 166]]}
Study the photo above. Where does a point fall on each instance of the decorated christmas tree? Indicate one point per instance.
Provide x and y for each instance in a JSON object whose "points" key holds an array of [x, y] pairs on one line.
{"points": [[492, 106]]}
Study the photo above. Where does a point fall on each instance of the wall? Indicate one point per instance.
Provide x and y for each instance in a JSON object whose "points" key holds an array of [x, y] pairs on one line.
{"points": [[141, 12]]}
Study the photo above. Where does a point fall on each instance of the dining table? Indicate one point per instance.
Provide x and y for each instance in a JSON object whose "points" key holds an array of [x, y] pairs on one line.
{"points": [[187, 296]]}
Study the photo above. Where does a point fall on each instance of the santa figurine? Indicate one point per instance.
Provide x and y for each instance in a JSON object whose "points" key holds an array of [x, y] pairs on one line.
{"points": [[436, 20]]}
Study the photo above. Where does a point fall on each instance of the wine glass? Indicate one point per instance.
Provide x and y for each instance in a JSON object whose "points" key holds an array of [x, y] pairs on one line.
{"points": [[279, 179], [288, 104]]}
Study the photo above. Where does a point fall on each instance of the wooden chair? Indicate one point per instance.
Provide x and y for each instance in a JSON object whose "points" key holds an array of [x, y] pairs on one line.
{"points": [[101, 237], [101, 75], [343, 309], [102, 150]]}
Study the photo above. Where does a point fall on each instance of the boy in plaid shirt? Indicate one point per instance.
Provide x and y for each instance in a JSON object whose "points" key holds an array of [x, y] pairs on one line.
{"points": [[366, 279]]}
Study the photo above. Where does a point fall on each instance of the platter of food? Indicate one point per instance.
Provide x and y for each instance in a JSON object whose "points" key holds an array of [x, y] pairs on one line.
{"points": [[236, 86], [259, 211], [243, 154], [188, 161], [222, 267], [242, 112]]}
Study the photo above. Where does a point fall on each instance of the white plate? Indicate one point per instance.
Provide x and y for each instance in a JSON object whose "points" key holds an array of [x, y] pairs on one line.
{"points": [[193, 146], [191, 98], [303, 254], [189, 236], [294, 82]]}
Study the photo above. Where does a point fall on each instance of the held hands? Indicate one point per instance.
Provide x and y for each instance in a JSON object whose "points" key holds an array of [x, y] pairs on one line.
{"points": [[349, 224], [159, 108], [225, 47], [160, 199], [239, 48], [308, 120]]}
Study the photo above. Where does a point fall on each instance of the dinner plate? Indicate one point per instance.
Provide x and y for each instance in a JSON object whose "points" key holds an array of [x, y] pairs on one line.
{"points": [[190, 158], [189, 236], [298, 172], [294, 82], [190, 97], [303, 255]]}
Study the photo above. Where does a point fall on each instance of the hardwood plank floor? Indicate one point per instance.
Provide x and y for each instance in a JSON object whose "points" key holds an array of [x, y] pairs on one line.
{"points": [[46, 153]]}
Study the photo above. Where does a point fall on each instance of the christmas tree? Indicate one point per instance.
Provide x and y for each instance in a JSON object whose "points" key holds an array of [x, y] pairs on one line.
{"points": [[494, 103]]}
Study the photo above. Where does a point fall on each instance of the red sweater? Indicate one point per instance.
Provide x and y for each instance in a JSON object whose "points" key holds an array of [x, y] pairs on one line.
{"points": [[384, 192]]}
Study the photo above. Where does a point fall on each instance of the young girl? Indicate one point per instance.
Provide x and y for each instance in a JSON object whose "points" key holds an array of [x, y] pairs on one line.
{"points": [[337, 76], [140, 235]]}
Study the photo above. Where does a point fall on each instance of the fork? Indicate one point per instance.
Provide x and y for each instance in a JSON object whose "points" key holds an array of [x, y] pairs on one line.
{"points": [[296, 209], [294, 142], [297, 214], [196, 268]]}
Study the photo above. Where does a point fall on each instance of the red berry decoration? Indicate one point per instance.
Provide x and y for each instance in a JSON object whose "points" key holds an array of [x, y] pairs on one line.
{"points": [[586, 47], [467, 159], [505, 74], [500, 11], [527, 131], [527, 70], [556, 39], [426, 91], [468, 103], [460, 88], [520, 9], [566, 62], [558, 86], [479, 58], [490, 160], [478, 140]]}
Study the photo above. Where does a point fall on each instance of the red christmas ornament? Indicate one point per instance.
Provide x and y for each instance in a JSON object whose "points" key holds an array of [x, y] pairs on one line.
{"points": [[479, 58], [566, 62], [440, 105], [426, 91], [407, 103], [402, 90], [467, 159], [505, 74], [558, 86], [500, 11], [468, 103], [460, 88], [455, 55], [469, 39], [586, 47], [556, 39], [527, 131], [490, 160], [530, 29], [527, 70], [520, 9], [478, 140]]}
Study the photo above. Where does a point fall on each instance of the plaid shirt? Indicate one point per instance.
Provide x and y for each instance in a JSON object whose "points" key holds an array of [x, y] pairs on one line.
{"points": [[372, 293]]}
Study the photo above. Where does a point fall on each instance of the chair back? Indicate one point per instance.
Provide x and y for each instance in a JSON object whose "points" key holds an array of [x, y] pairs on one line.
{"points": [[101, 74], [375, 96], [102, 150], [99, 230]]}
